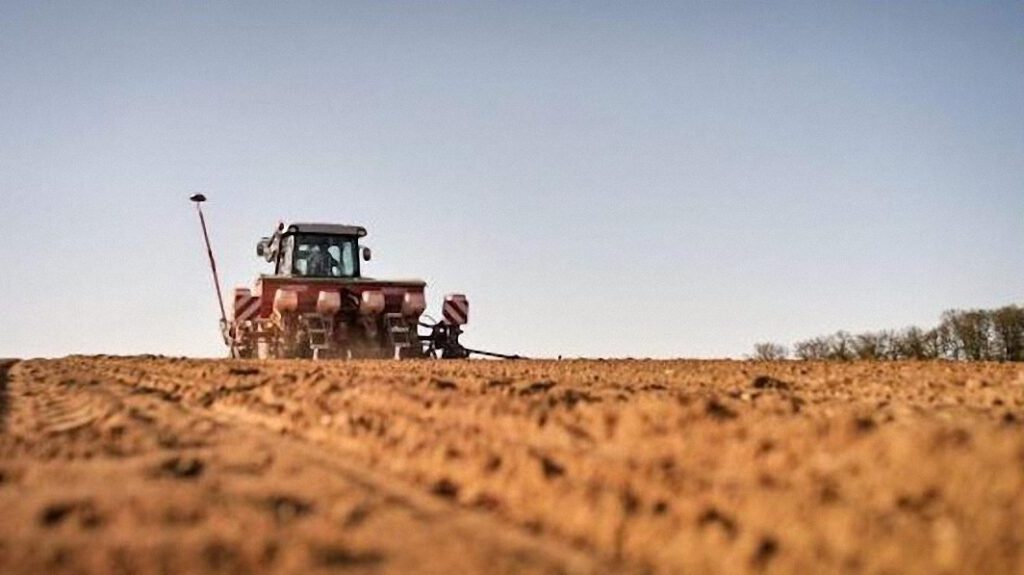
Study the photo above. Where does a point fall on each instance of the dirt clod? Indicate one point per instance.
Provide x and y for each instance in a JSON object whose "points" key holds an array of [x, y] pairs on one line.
{"points": [[767, 548], [768, 382], [537, 387], [337, 556], [55, 514], [182, 467], [549, 466], [244, 371], [718, 410], [444, 384], [287, 507], [713, 517], [864, 424], [446, 488], [83, 512]]}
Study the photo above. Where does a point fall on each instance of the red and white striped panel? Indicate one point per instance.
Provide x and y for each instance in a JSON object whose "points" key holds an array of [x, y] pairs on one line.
{"points": [[455, 309], [246, 305]]}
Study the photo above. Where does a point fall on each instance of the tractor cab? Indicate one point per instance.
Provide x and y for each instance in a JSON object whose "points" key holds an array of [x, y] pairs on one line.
{"points": [[324, 251]]}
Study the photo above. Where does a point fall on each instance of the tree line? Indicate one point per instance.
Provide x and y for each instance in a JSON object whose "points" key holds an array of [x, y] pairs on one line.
{"points": [[967, 335]]}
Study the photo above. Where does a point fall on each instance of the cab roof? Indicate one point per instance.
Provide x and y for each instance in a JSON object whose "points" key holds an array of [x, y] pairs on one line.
{"points": [[331, 229]]}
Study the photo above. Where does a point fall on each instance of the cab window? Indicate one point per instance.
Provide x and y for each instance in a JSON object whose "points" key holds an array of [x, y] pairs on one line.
{"points": [[324, 256]]}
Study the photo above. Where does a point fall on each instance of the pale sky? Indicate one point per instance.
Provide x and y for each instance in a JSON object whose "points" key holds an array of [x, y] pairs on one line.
{"points": [[601, 179]]}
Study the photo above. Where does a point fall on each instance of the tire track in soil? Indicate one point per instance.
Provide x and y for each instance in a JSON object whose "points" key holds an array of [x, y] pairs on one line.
{"points": [[74, 402], [66, 412]]}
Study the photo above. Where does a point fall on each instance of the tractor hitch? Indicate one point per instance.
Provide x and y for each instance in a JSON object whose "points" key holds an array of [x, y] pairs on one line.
{"points": [[443, 339]]}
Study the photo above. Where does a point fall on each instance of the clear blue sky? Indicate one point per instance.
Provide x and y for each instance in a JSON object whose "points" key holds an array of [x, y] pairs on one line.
{"points": [[602, 179]]}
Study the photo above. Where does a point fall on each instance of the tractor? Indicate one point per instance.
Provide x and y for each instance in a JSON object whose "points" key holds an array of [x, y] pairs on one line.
{"points": [[317, 303]]}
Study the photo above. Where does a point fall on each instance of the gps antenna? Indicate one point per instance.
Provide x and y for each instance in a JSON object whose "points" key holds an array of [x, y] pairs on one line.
{"points": [[199, 199]]}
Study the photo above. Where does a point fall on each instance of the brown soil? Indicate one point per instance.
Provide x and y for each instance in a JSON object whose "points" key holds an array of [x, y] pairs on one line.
{"points": [[148, 465]]}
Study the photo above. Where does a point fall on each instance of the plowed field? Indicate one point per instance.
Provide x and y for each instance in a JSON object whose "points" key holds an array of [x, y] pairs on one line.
{"points": [[162, 465]]}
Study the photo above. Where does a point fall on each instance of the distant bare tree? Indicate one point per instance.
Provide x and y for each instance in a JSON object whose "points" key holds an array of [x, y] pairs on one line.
{"points": [[969, 334], [947, 331], [934, 346], [840, 346], [945, 342], [1008, 333], [770, 351], [914, 343], [889, 341], [870, 345], [812, 349]]}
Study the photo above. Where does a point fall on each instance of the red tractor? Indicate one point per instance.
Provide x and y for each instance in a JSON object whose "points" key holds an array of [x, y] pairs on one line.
{"points": [[318, 304]]}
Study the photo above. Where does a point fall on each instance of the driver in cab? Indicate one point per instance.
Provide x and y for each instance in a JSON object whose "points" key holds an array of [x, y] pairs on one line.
{"points": [[319, 262]]}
